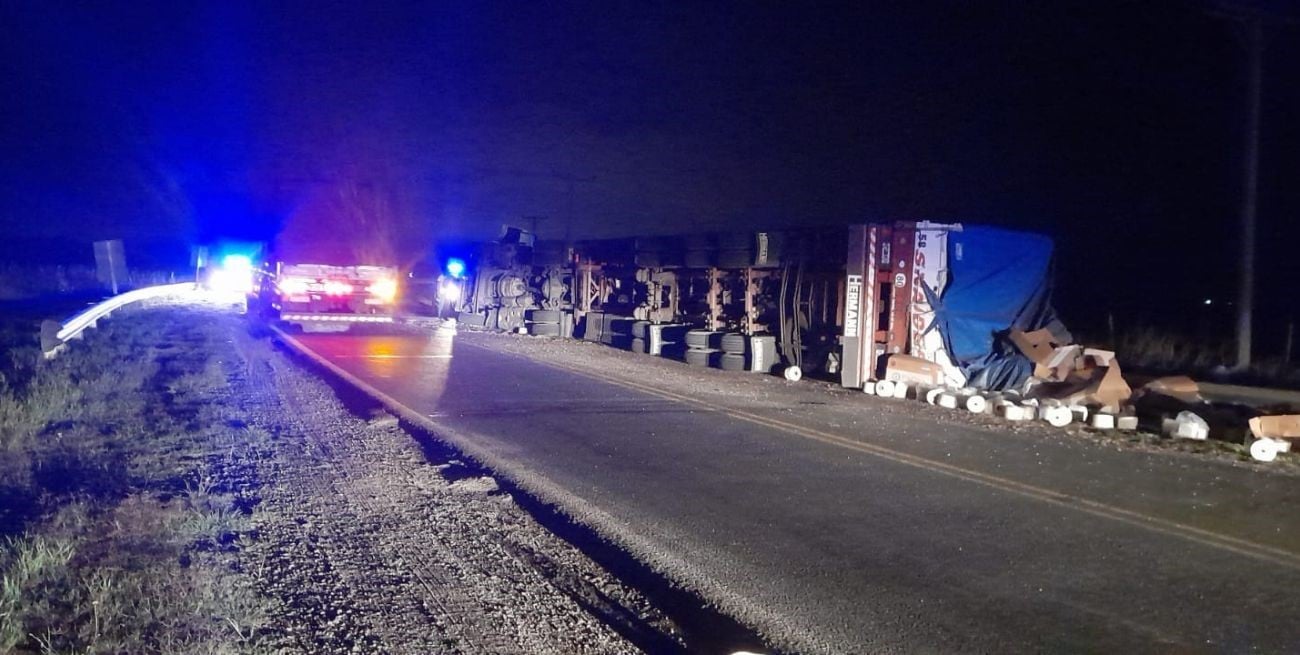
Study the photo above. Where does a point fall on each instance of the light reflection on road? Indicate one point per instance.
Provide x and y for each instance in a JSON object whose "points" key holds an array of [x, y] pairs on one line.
{"points": [[410, 357]]}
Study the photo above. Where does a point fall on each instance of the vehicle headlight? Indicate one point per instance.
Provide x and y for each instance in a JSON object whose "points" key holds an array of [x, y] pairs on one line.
{"points": [[385, 289]]}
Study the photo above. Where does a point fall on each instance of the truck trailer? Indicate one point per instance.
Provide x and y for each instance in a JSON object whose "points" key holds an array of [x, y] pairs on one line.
{"points": [[833, 302]]}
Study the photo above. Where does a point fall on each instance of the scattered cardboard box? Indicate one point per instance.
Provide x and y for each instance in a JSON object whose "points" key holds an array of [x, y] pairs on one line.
{"points": [[1072, 373], [1096, 357], [913, 370], [1060, 364], [1102, 387], [1037, 345], [1178, 387], [1276, 427], [1273, 435]]}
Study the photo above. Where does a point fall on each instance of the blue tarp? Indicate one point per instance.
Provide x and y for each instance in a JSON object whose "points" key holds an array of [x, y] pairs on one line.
{"points": [[999, 280]]}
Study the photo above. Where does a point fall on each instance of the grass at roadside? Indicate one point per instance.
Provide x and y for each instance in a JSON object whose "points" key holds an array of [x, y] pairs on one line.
{"points": [[126, 493], [1163, 352]]}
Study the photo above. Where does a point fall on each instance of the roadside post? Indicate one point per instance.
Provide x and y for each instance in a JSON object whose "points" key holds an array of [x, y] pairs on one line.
{"points": [[110, 264]]}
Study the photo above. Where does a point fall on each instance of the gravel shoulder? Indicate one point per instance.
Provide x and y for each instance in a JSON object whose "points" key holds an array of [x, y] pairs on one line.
{"points": [[219, 496], [372, 547]]}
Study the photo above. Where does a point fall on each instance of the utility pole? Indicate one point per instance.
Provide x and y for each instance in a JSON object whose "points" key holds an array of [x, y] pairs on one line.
{"points": [[1253, 26], [1249, 18]]}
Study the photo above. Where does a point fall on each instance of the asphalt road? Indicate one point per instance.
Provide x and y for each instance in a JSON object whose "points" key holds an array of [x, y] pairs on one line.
{"points": [[838, 522]]}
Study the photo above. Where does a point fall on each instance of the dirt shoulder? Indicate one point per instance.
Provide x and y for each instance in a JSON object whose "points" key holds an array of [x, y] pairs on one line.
{"points": [[261, 513]]}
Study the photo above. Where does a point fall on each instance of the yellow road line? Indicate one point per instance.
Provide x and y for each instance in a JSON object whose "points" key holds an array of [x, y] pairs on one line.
{"points": [[1201, 536]]}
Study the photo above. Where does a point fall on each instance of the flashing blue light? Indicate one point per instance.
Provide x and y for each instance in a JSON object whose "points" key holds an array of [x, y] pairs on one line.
{"points": [[237, 262], [455, 267]]}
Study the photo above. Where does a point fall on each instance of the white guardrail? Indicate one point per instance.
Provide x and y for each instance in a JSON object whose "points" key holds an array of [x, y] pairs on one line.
{"points": [[54, 334]]}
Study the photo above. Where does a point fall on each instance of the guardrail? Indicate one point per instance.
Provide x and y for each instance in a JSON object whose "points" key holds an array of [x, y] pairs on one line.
{"points": [[54, 335]]}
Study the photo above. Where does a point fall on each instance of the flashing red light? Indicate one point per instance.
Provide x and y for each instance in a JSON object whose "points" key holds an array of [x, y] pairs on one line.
{"points": [[294, 286], [337, 288]]}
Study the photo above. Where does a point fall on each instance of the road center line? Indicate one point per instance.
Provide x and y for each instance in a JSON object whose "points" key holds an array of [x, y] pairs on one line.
{"points": [[1270, 554]]}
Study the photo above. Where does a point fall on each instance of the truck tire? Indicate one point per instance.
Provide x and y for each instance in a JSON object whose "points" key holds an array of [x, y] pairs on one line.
{"points": [[544, 329], [641, 330], [706, 339], [621, 326], [733, 362], [735, 343], [639, 345], [545, 315], [697, 357], [673, 351]]}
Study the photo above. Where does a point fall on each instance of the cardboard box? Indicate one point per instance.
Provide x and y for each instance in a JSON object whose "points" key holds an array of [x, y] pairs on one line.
{"points": [[1106, 388], [1062, 362], [1037, 345], [1178, 387], [1096, 357], [913, 370], [1276, 427]]}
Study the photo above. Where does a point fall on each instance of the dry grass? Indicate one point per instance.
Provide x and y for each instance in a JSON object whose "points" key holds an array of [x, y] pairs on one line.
{"points": [[1152, 348], [1162, 351], [21, 281], [133, 543]]}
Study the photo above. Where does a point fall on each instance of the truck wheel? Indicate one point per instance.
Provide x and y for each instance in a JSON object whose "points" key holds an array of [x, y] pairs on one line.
{"points": [[545, 315], [735, 343], [621, 326], [697, 357], [641, 329], [707, 339], [544, 329], [732, 362], [639, 345], [673, 351]]}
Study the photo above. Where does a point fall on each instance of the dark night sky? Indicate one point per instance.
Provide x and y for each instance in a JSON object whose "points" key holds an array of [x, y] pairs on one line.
{"points": [[1112, 126]]}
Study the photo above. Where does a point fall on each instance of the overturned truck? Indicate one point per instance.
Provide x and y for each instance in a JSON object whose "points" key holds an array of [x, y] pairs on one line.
{"points": [[852, 304]]}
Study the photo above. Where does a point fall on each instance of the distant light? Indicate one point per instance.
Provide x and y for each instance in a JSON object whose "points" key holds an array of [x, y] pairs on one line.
{"points": [[1209, 302], [237, 263], [449, 291], [234, 276], [455, 267]]}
